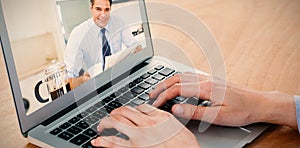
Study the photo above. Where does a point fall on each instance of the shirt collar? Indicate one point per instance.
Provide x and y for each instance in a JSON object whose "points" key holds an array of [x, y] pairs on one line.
{"points": [[107, 27]]}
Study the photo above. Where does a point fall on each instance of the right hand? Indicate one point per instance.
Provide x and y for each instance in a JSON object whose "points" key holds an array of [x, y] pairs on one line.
{"points": [[232, 105]]}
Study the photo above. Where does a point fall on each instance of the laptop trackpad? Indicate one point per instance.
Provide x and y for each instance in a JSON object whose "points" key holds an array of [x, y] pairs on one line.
{"points": [[218, 136]]}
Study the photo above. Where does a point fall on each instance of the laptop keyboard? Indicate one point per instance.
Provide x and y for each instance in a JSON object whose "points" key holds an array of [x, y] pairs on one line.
{"points": [[82, 128]]}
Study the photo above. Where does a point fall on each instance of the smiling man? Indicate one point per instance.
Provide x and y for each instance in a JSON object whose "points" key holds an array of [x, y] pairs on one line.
{"points": [[91, 41]]}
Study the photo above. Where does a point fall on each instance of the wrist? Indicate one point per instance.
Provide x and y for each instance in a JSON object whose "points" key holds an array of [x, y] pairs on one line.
{"points": [[276, 108]]}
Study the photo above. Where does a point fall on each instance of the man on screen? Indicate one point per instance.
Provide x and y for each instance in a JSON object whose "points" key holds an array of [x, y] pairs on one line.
{"points": [[93, 40]]}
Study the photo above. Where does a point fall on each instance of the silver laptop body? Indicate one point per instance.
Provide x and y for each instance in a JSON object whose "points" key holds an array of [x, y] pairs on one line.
{"points": [[39, 126]]}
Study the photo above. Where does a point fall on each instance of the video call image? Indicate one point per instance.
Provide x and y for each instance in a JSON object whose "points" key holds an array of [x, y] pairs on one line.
{"points": [[59, 45]]}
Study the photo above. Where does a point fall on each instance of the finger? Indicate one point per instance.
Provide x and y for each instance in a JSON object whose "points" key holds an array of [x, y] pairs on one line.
{"points": [[147, 109], [200, 90], [133, 115], [152, 111], [207, 114], [178, 78], [122, 119], [109, 122], [110, 141]]}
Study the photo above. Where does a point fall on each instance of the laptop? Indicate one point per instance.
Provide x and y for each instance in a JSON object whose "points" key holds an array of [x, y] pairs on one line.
{"points": [[70, 119]]}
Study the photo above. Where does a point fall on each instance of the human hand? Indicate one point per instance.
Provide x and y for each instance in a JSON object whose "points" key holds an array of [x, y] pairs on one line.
{"points": [[137, 49], [232, 105], [146, 126], [74, 82]]}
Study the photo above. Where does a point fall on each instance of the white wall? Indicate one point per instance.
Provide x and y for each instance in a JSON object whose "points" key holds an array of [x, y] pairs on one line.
{"points": [[34, 33]]}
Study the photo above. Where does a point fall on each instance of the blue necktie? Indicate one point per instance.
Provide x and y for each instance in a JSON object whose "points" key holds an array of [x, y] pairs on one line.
{"points": [[105, 47]]}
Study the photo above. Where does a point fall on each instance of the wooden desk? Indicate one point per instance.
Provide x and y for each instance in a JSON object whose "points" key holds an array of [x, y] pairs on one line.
{"points": [[260, 44]]}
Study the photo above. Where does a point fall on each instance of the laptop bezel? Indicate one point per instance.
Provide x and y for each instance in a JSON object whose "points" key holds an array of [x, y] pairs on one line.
{"points": [[27, 122]]}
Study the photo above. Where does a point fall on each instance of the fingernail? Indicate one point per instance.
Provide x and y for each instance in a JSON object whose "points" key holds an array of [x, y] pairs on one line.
{"points": [[93, 142], [150, 94], [178, 110], [154, 103]]}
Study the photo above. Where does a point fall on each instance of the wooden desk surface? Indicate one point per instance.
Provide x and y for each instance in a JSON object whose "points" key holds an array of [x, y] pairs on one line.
{"points": [[260, 44]]}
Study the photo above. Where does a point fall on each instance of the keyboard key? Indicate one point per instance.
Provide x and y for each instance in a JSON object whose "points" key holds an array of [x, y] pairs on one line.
{"points": [[65, 125], [151, 81], [107, 100], [137, 90], [144, 85], [145, 76], [166, 107], [122, 100], [179, 98], [115, 104], [171, 102], [74, 120], [88, 145], [159, 67], [131, 84], [99, 114], [151, 101], [151, 72], [113, 95], [166, 71], [131, 104], [56, 131], [144, 97], [80, 139], [137, 101], [90, 132], [107, 109], [192, 101], [94, 127], [91, 109], [123, 89], [90, 119], [65, 135], [158, 77], [82, 125], [74, 130], [117, 94], [79, 116], [148, 91], [83, 114], [138, 80], [206, 103], [99, 104], [129, 95]]}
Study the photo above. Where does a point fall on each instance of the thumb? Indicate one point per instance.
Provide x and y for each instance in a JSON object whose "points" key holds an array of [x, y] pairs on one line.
{"points": [[189, 111]]}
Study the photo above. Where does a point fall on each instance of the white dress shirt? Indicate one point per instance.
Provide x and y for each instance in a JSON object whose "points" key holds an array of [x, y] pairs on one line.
{"points": [[297, 103], [84, 47]]}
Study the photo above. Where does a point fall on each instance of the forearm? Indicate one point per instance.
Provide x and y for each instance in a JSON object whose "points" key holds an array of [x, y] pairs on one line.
{"points": [[276, 108]]}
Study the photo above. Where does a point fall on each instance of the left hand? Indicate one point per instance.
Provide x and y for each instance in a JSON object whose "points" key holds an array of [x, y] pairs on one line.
{"points": [[74, 82], [146, 126], [138, 48]]}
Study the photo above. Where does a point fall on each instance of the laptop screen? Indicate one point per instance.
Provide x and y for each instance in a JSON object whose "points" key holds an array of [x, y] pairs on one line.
{"points": [[53, 47]]}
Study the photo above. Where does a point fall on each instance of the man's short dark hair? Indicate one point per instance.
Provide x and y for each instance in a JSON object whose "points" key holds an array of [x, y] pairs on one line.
{"points": [[93, 2]]}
